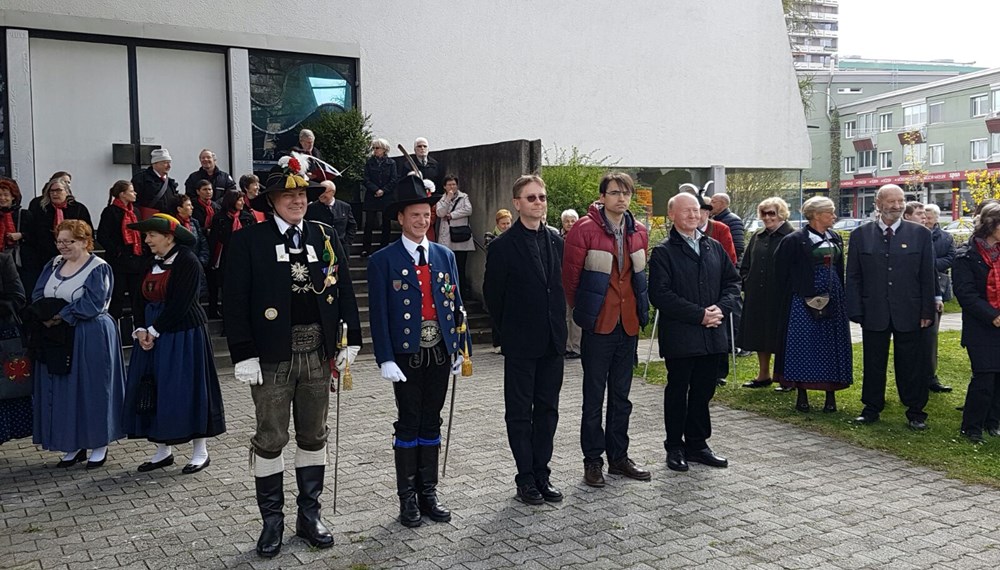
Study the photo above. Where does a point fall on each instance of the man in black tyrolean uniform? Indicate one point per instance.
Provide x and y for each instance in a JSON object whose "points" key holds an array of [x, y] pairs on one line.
{"points": [[287, 291], [416, 315]]}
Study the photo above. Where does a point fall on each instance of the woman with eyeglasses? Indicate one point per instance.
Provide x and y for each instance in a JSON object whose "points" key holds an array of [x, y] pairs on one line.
{"points": [[759, 325], [454, 211], [79, 373], [814, 352], [56, 205]]}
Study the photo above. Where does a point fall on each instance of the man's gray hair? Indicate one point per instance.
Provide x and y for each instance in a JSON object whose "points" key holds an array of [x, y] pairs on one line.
{"points": [[306, 134], [932, 208], [421, 140], [570, 213], [724, 196]]}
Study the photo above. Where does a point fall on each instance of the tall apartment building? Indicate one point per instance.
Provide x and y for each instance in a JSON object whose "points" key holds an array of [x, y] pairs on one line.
{"points": [[812, 31]]}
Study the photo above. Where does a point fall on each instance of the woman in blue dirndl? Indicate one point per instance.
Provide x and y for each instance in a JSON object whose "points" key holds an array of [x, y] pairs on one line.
{"points": [[173, 394], [79, 408], [816, 350]]}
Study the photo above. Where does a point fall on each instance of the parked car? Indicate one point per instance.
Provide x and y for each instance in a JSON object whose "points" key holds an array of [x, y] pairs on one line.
{"points": [[753, 226], [848, 224], [960, 226]]}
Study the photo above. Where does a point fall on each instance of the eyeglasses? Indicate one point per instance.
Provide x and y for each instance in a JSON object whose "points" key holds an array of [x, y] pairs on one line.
{"points": [[421, 146], [771, 213], [533, 198], [65, 241], [618, 194]]}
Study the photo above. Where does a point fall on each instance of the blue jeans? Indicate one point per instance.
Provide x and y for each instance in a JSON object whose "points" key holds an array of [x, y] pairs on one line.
{"points": [[607, 364]]}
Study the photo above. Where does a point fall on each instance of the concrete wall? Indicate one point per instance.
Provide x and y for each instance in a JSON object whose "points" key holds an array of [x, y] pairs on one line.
{"points": [[686, 83], [487, 174]]}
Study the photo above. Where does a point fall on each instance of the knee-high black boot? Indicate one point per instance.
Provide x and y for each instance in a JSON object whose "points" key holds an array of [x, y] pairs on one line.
{"points": [[308, 524], [406, 486], [270, 500], [428, 480]]}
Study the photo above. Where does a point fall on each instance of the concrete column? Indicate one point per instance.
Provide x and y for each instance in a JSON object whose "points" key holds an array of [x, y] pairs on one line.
{"points": [[240, 128], [717, 174], [22, 136]]}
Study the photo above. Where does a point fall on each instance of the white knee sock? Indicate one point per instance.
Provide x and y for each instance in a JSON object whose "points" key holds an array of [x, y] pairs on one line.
{"points": [[200, 453], [305, 458], [98, 454], [70, 455], [265, 467], [162, 452]]}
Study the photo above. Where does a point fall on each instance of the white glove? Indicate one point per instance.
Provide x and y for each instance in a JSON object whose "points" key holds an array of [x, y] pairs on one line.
{"points": [[429, 185], [456, 368], [248, 372], [346, 356], [391, 372]]}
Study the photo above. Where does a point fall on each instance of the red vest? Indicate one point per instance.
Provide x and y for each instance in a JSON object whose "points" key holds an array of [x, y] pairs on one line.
{"points": [[427, 310]]}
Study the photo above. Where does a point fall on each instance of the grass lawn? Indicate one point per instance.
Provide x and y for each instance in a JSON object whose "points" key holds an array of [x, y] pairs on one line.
{"points": [[940, 447]]}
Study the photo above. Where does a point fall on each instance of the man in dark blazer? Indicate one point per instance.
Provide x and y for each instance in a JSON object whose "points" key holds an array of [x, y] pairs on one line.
{"points": [[524, 295], [333, 212], [427, 165], [288, 291], [695, 286], [891, 283]]}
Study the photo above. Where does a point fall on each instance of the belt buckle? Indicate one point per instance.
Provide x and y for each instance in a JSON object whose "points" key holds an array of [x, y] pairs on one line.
{"points": [[306, 338], [430, 334]]}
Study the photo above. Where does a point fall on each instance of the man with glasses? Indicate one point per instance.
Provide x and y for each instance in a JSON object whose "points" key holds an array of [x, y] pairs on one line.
{"points": [[524, 294], [605, 283]]}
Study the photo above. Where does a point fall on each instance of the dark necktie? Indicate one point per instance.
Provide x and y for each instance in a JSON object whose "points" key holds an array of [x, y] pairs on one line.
{"points": [[889, 233], [292, 236], [423, 260]]}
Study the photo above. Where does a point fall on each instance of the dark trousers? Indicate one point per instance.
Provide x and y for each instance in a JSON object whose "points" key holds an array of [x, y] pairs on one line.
{"points": [[372, 220], [531, 399], [982, 403], [130, 283], [419, 400], [460, 259], [690, 387], [911, 361], [607, 364], [214, 284]]}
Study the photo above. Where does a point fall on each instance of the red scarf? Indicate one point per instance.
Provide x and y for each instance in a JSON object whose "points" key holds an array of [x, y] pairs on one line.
{"points": [[209, 211], [991, 255], [237, 226], [58, 219], [186, 222], [6, 227], [129, 236]]}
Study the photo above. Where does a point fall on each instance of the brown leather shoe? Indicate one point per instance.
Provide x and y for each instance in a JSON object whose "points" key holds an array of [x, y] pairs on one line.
{"points": [[593, 475], [626, 467]]}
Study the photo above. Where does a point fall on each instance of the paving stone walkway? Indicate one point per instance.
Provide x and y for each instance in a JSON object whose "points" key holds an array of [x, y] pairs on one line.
{"points": [[790, 499]]}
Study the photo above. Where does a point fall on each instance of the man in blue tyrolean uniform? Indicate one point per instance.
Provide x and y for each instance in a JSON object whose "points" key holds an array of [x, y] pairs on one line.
{"points": [[416, 312]]}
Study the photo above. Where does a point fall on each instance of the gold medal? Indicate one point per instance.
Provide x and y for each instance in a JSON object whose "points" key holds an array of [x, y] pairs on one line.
{"points": [[330, 280], [271, 314]]}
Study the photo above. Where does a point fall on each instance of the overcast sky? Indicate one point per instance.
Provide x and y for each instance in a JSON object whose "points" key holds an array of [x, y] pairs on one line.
{"points": [[962, 30]]}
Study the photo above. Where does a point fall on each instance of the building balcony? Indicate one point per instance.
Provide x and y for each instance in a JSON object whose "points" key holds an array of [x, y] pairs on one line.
{"points": [[993, 122], [993, 162], [814, 33], [864, 141], [913, 136], [866, 172], [908, 168], [821, 16]]}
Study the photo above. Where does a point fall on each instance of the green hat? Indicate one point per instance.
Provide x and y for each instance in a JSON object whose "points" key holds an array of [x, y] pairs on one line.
{"points": [[165, 224]]}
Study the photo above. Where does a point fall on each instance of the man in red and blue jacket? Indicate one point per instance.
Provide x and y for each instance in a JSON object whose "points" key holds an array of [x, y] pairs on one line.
{"points": [[604, 264]]}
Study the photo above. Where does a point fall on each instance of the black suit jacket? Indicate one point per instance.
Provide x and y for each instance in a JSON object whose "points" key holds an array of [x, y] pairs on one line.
{"points": [[529, 309], [891, 280], [340, 217], [258, 286]]}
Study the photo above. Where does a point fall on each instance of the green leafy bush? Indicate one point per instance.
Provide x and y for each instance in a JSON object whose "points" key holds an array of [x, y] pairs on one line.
{"points": [[572, 180], [344, 139]]}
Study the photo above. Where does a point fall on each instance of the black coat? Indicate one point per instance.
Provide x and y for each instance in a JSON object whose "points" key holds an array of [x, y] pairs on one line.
{"points": [[199, 213], [147, 184], [380, 174], [760, 321], [735, 227], [222, 233], [527, 303], [340, 217], [200, 247], [181, 309], [682, 284], [221, 183], [944, 254], [24, 254], [12, 295], [431, 171], [891, 279], [119, 255], [44, 238], [979, 337], [258, 282]]}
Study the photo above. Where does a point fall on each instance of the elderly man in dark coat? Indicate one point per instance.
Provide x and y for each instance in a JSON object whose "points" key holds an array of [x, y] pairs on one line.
{"points": [[722, 213], [694, 285]]}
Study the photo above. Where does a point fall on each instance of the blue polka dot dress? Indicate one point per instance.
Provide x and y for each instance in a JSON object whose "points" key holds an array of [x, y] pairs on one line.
{"points": [[15, 418]]}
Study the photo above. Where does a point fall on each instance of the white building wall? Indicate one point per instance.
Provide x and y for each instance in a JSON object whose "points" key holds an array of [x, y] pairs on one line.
{"points": [[681, 83]]}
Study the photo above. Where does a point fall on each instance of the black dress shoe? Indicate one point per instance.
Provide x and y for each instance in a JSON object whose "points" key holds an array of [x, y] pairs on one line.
{"points": [[627, 467], [993, 431], [676, 461], [153, 465], [97, 464], [939, 388], [192, 468], [758, 383], [529, 494], [974, 436], [706, 457], [720, 381], [829, 408], [593, 475], [549, 493], [80, 457], [863, 419], [916, 425], [780, 388], [572, 355], [802, 407], [743, 353]]}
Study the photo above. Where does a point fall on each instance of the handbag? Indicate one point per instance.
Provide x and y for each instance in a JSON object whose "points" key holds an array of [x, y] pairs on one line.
{"points": [[459, 233], [16, 378], [818, 306]]}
